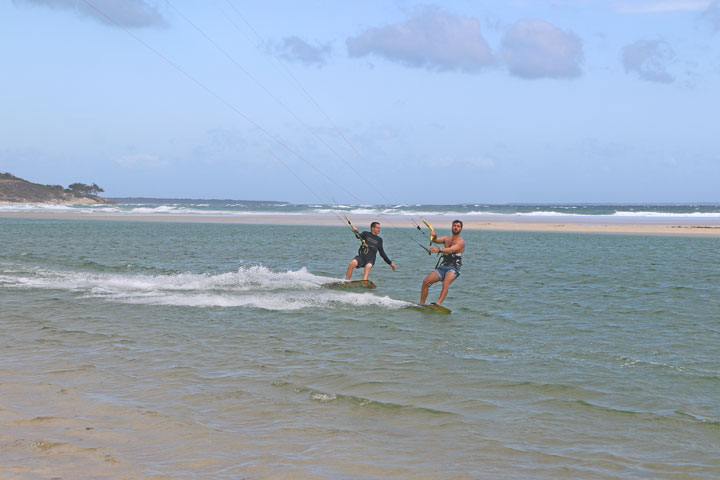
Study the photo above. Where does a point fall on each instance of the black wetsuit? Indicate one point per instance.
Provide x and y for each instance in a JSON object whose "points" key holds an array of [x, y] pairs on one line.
{"points": [[367, 251]]}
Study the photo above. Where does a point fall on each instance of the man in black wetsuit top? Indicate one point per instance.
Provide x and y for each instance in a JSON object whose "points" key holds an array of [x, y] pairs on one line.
{"points": [[371, 244]]}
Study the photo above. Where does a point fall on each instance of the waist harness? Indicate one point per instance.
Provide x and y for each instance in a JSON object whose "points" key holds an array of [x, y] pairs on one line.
{"points": [[452, 260]]}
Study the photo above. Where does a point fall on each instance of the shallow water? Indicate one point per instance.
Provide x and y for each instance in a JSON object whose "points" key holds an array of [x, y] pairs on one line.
{"points": [[186, 350]]}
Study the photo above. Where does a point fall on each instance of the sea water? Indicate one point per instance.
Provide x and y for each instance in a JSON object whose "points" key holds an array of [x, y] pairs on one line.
{"points": [[192, 350], [700, 212]]}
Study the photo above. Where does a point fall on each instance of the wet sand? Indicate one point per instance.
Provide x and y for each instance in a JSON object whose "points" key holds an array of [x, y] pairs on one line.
{"points": [[578, 224]]}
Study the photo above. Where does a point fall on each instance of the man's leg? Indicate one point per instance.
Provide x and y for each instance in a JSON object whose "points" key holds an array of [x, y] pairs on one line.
{"points": [[429, 280], [351, 267], [368, 266], [449, 277]]}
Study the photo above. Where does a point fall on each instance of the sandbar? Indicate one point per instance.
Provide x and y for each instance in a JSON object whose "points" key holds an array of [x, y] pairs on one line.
{"points": [[686, 226]]}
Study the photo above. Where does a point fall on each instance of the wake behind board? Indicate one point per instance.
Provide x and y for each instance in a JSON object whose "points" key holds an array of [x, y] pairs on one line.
{"points": [[430, 308], [351, 284]]}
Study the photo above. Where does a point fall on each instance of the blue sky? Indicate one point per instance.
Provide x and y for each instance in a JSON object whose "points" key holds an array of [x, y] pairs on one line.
{"points": [[366, 102]]}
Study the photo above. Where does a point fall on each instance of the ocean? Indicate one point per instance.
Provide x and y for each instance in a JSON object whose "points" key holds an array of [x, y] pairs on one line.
{"points": [[209, 350], [239, 208]]}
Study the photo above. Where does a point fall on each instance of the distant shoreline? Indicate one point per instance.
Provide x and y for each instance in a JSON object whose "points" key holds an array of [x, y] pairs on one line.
{"points": [[15, 190], [575, 224], [134, 200]]}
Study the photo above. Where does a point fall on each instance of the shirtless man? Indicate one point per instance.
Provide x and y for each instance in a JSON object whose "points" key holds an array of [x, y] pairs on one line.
{"points": [[449, 267], [371, 245]]}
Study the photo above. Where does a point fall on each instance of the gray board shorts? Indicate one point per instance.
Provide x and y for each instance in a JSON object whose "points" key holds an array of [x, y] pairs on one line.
{"points": [[442, 270]]}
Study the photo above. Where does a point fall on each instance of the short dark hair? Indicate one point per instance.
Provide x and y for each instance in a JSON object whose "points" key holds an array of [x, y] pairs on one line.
{"points": [[458, 221], [372, 225]]}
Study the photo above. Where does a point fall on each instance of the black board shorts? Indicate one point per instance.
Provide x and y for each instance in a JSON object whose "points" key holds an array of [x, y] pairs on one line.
{"points": [[363, 260]]}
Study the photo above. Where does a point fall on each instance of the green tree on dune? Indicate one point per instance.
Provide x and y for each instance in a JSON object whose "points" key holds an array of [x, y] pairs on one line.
{"points": [[84, 189]]}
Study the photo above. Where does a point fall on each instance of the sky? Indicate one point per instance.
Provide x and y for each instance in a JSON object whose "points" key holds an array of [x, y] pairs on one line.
{"points": [[366, 102]]}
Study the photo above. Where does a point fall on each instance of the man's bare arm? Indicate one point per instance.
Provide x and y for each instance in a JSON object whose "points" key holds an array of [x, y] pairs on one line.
{"points": [[458, 247]]}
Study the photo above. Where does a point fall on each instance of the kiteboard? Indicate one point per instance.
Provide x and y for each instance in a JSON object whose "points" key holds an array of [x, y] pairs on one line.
{"points": [[430, 308], [351, 284]]}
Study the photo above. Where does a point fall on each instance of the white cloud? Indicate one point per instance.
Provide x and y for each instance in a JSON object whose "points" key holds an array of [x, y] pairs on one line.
{"points": [[649, 60], [663, 7], [295, 49], [537, 49], [430, 39], [126, 13]]}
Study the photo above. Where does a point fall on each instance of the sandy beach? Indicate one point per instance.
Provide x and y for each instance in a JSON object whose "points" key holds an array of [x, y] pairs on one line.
{"points": [[576, 224]]}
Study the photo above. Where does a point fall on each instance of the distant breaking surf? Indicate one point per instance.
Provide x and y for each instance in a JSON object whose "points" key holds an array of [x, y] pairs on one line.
{"points": [[237, 208]]}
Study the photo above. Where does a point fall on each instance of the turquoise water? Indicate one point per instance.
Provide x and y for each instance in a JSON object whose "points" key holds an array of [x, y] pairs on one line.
{"points": [[190, 350]]}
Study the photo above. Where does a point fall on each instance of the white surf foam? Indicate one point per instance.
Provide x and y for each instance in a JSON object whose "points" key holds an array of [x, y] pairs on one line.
{"points": [[668, 214], [256, 277], [255, 286], [285, 301]]}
